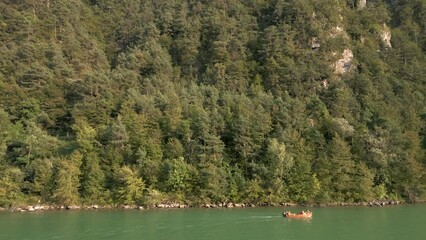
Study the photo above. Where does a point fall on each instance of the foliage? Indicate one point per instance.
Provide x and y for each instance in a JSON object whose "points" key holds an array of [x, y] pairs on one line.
{"points": [[141, 102]]}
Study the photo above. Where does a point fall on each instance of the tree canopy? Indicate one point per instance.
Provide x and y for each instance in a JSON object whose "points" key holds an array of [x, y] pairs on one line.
{"points": [[141, 102]]}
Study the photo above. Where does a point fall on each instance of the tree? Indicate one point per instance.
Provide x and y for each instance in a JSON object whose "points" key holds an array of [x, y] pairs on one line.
{"points": [[5, 132], [39, 174], [175, 176], [363, 189], [92, 180], [129, 186], [11, 180], [31, 143], [244, 90], [67, 179], [253, 192], [279, 164], [212, 182], [85, 136], [342, 169]]}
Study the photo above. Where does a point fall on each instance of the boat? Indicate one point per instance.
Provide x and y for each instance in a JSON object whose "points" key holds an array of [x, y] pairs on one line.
{"points": [[302, 214]]}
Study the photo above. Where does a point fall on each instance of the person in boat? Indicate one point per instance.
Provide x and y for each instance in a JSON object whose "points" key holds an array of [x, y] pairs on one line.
{"points": [[305, 213]]}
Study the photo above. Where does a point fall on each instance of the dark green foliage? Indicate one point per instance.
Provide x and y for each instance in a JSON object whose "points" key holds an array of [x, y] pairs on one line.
{"points": [[39, 178], [142, 102], [175, 176]]}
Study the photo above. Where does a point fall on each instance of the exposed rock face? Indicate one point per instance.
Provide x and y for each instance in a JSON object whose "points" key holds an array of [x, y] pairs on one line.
{"points": [[315, 43], [362, 4], [344, 64], [385, 35], [336, 31]]}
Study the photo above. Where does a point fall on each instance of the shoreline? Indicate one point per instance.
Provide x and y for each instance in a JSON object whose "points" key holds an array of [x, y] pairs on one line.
{"points": [[47, 207]]}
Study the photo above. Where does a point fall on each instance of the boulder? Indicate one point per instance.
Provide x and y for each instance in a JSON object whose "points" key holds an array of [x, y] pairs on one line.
{"points": [[38, 207], [72, 207], [362, 4], [230, 205], [315, 43], [344, 64], [385, 35]]}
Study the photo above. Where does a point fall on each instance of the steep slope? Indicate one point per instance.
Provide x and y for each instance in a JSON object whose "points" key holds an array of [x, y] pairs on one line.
{"points": [[142, 102]]}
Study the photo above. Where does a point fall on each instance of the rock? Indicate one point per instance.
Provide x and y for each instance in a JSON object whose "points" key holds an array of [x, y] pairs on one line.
{"points": [[386, 36], [93, 207], [27, 208], [72, 207], [289, 204], [344, 64], [315, 43], [128, 207], [47, 207], [324, 83], [336, 31], [38, 207], [362, 4], [18, 209]]}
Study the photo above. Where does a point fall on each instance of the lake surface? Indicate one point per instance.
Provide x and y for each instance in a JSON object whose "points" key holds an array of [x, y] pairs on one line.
{"points": [[394, 222]]}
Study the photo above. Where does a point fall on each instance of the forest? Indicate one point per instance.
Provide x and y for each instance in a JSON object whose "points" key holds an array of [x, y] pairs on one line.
{"points": [[141, 102]]}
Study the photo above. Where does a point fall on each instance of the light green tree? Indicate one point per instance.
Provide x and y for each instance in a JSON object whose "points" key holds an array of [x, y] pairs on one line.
{"points": [[129, 186], [11, 181], [66, 181]]}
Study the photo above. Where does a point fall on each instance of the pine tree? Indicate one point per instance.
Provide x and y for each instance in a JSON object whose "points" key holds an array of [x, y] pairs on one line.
{"points": [[129, 186], [66, 179]]}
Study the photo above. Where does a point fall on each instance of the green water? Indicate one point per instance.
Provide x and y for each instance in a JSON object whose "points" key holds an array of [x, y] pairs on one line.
{"points": [[394, 222]]}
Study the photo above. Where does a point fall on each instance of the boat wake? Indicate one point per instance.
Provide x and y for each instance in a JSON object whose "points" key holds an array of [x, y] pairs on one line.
{"points": [[265, 217]]}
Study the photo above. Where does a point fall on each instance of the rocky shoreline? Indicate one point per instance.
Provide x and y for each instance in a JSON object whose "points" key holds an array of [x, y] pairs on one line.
{"points": [[46, 207]]}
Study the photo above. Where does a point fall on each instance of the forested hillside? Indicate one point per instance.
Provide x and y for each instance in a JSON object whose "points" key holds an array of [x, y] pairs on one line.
{"points": [[116, 102]]}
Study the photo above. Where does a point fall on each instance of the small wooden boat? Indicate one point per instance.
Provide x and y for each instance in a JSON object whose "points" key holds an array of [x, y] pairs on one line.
{"points": [[303, 214]]}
